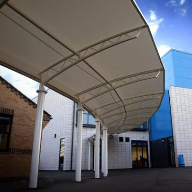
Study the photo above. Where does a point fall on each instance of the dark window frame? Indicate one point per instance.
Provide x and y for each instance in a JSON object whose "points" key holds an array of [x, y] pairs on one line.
{"points": [[127, 139], [7, 133], [121, 139], [144, 127], [87, 123]]}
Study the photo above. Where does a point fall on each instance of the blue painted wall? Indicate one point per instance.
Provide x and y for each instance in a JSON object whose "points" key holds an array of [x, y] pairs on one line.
{"points": [[178, 72]]}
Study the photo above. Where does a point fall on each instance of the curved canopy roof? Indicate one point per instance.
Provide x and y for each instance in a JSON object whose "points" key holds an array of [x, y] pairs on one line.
{"points": [[100, 53]]}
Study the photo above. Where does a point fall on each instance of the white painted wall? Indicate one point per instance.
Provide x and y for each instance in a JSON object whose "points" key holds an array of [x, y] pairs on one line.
{"points": [[181, 111]]}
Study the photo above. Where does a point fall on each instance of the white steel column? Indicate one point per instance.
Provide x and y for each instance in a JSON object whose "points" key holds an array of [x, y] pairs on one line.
{"points": [[37, 137], [89, 155], [105, 153], [102, 154], [79, 142], [97, 148], [94, 156], [107, 165]]}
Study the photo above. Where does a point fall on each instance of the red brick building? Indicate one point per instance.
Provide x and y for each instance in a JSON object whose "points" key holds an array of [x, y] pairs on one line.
{"points": [[17, 122]]}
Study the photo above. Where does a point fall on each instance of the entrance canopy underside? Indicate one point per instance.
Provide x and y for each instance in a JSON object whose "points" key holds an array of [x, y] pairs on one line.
{"points": [[100, 53]]}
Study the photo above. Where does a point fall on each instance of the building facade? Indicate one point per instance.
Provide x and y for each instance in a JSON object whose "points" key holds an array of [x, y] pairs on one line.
{"points": [[58, 149], [17, 122], [171, 126]]}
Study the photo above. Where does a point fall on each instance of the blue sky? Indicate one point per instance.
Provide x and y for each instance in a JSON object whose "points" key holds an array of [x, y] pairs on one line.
{"points": [[170, 22]]}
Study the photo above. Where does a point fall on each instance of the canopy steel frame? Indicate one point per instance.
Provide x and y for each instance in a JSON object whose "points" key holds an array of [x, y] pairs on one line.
{"points": [[131, 123], [121, 113], [130, 98], [117, 83], [89, 51], [128, 118], [129, 101], [139, 109], [3, 2]]}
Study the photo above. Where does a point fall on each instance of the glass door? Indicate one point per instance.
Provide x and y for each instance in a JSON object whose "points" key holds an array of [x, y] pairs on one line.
{"points": [[139, 157], [139, 154]]}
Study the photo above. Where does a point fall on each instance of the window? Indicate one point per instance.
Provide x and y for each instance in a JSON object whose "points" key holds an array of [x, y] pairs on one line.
{"points": [[120, 139], [88, 119], [143, 127], [127, 139], [5, 128]]}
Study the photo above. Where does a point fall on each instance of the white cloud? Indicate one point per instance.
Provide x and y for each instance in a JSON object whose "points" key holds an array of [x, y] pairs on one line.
{"points": [[153, 17], [153, 22], [171, 3], [22, 83], [177, 4], [182, 12], [182, 2], [162, 49]]}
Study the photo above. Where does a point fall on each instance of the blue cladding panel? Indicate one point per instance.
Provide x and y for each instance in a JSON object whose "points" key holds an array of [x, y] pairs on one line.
{"points": [[183, 69], [178, 72]]}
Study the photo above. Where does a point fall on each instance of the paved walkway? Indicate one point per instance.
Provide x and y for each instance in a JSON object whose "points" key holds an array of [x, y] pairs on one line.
{"points": [[130, 180]]}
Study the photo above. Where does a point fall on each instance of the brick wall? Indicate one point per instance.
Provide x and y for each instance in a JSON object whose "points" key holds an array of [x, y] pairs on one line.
{"points": [[16, 163]]}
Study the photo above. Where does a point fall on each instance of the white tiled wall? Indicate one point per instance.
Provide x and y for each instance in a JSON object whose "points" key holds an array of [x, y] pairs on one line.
{"points": [[181, 111], [61, 124], [61, 109], [120, 155]]}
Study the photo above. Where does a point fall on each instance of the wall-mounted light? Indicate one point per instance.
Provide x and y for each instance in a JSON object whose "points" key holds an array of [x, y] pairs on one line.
{"points": [[110, 136], [55, 135]]}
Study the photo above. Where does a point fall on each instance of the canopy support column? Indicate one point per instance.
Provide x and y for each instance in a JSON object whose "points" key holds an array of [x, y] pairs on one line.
{"points": [[89, 155], [105, 152], [94, 157], [97, 148], [102, 154], [79, 142], [37, 137]]}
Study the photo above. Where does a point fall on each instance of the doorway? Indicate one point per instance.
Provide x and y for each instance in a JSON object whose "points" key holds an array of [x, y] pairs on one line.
{"points": [[139, 154], [162, 153]]}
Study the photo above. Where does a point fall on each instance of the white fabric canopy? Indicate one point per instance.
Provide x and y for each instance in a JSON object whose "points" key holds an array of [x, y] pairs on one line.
{"points": [[100, 53]]}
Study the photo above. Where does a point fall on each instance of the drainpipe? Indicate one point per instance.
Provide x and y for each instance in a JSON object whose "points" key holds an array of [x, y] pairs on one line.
{"points": [[73, 126]]}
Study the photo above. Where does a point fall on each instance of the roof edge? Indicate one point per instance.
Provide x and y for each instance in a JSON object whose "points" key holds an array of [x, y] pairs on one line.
{"points": [[24, 97], [176, 50]]}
